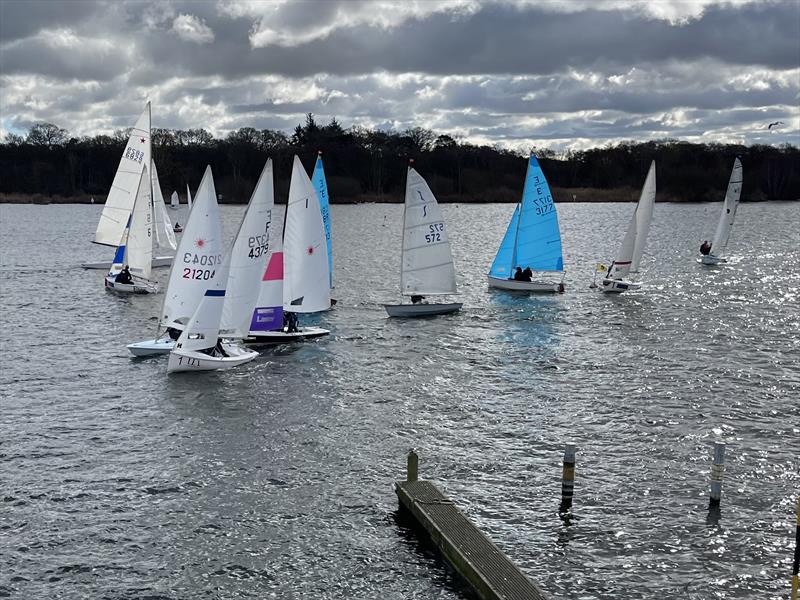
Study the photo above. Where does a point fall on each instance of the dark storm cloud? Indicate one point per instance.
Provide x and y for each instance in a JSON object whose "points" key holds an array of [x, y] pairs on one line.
{"points": [[23, 18]]}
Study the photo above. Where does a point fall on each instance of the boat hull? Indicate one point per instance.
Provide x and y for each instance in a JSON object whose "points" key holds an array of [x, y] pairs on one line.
{"points": [[421, 310], [711, 260], [190, 360], [271, 338], [535, 287], [618, 286], [158, 261], [152, 347], [139, 287]]}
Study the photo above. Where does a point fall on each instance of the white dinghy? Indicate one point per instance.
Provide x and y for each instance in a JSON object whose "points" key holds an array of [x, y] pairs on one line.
{"points": [[532, 241], [630, 253], [426, 267], [131, 269], [195, 266], [165, 236], [712, 254], [121, 196], [174, 201], [199, 347]]}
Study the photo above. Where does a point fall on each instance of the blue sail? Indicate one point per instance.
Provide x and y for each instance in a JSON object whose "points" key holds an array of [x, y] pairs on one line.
{"points": [[538, 238], [318, 181], [501, 267]]}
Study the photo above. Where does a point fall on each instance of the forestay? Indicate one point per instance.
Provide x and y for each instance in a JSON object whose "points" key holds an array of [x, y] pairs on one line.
{"points": [[533, 237], [122, 194], [198, 258], [630, 253], [427, 263], [249, 258], [306, 283], [729, 207], [321, 187], [165, 236]]}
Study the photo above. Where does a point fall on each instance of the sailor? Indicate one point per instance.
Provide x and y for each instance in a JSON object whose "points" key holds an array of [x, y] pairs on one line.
{"points": [[527, 274], [124, 276], [417, 299], [518, 274], [705, 248], [290, 319], [173, 333]]}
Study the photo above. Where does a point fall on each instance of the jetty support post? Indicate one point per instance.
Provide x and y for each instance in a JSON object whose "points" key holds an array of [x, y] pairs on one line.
{"points": [[796, 564], [567, 479], [412, 465], [717, 474]]}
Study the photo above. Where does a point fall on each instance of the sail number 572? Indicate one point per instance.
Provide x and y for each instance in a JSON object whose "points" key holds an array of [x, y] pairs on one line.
{"points": [[435, 233]]}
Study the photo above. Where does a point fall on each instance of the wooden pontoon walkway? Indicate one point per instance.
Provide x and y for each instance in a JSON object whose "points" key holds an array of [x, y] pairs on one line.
{"points": [[487, 570]]}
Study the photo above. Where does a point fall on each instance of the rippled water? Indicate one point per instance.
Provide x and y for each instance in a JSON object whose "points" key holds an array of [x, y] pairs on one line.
{"points": [[275, 479]]}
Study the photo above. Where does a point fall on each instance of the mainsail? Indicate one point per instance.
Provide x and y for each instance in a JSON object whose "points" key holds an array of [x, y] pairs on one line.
{"points": [[321, 186]]}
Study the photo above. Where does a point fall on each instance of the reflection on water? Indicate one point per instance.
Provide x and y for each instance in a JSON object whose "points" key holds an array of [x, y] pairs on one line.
{"points": [[276, 478]]}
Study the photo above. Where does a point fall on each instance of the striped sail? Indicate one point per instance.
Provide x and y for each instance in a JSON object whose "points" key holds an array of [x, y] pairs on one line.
{"points": [[427, 263], [122, 194], [321, 186]]}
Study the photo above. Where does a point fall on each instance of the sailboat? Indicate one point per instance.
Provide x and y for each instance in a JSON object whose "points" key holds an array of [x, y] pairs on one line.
{"points": [[197, 263], [532, 240], [427, 264], [188, 197], [174, 201], [726, 217], [212, 339], [630, 253], [165, 236], [321, 187], [306, 285], [135, 248], [119, 203]]}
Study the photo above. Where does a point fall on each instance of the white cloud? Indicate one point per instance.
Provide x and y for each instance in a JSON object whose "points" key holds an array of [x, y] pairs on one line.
{"points": [[192, 29]]}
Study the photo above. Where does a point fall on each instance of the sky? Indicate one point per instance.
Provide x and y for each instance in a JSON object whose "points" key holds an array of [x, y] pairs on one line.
{"points": [[514, 73]]}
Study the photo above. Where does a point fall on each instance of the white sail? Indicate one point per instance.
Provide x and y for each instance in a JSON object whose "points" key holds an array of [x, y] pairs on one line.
{"points": [[202, 330], [427, 263], [188, 197], [630, 253], [248, 258], [729, 207], [306, 286], [122, 194], [198, 258], [165, 236], [139, 249], [644, 216], [174, 201]]}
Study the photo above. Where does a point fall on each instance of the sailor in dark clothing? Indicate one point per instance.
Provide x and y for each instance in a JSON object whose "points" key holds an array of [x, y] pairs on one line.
{"points": [[527, 274], [173, 333], [417, 299], [290, 322], [705, 248], [518, 274], [124, 276]]}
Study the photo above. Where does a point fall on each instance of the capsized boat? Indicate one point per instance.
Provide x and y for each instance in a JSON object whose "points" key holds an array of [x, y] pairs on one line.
{"points": [[532, 240], [196, 264], [630, 253], [135, 249], [714, 252], [426, 266]]}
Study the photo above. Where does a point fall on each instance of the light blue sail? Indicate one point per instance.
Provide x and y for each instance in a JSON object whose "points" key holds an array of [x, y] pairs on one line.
{"points": [[533, 234], [320, 185]]}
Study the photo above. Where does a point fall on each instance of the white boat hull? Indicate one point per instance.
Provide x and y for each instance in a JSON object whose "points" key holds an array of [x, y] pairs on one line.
{"points": [[618, 286], [421, 310], [158, 261], [152, 347], [536, 287], [269, 338], [711, 260], [190, 360], [137, 287]]}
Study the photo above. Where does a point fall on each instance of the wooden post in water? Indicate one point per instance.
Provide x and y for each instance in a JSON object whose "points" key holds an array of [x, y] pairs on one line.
{"points": [[412, 465], [717, 473], [567, 478], [795, 582]]}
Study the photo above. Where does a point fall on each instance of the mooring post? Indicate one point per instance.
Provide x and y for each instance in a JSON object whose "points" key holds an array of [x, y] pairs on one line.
{"points": [[412, 465], [795, 581], [567, 478], [717, 473]]}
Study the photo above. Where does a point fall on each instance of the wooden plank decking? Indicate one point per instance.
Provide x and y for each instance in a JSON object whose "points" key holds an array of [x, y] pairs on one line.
{"points": [[490, 572]]}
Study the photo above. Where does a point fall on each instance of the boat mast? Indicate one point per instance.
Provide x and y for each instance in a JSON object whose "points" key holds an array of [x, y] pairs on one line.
{"points": [[519, 220]]}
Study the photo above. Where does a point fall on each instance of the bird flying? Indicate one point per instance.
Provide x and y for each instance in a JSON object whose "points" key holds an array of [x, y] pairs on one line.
{"points": [[775, 124]]}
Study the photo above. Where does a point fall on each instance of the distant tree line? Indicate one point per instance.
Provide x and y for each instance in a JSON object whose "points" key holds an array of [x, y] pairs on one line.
{"points": [[369, 165]]}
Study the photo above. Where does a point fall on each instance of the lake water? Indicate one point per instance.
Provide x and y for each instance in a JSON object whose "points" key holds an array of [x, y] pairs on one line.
{"points": [[274, 480]]}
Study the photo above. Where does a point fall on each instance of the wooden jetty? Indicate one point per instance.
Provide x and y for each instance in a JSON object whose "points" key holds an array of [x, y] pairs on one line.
{"points": [[486, 569]]}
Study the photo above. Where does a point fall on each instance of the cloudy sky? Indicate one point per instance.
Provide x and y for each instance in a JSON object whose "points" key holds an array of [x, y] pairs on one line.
{"points": [[516, 73]]}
